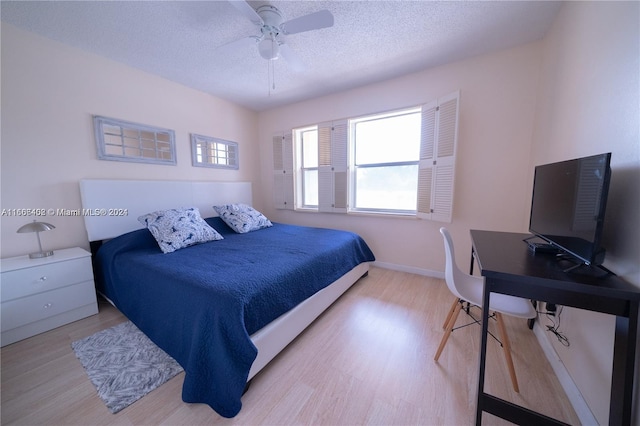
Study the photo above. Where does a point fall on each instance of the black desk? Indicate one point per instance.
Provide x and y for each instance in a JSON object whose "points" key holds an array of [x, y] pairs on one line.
{"points": [[509, 267]]}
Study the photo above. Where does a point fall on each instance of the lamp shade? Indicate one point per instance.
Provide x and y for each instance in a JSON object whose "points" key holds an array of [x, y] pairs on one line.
{"points": [[37, 227]]}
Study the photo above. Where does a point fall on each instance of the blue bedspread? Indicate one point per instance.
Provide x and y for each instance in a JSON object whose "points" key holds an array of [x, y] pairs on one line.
{"points": [[201, 303]]}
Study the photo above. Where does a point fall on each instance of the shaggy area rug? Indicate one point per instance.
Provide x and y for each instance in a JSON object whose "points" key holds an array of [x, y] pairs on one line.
{"points": [[123, 364]]}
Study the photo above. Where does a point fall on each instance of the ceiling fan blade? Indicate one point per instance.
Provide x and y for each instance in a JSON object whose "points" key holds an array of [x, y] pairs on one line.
{"points": [[231, 47], [292, 58], [243, 7], [313, 21]]}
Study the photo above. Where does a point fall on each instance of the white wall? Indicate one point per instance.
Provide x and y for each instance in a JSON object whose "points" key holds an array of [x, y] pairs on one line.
{"points": [[49, 94], [498, 97], [590, 103]]}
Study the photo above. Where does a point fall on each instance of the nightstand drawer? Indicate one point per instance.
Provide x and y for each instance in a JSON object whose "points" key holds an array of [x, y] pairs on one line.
{"points": [[25, 310], [37, 279]]}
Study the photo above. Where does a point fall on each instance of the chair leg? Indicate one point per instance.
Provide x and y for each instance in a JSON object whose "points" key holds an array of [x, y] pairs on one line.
{"points": [[447, 333], [453, 308], [506, 346]]}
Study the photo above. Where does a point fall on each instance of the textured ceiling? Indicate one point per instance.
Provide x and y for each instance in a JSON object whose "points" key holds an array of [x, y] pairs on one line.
{"points": [[370, 41]]}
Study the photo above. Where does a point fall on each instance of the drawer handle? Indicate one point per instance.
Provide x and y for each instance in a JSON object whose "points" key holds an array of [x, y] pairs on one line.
{"points": [[48, 305], [43, 278]]}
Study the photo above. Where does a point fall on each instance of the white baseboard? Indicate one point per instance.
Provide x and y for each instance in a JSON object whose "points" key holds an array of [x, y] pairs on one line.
{"points": [[409, 269], [575, 397]]}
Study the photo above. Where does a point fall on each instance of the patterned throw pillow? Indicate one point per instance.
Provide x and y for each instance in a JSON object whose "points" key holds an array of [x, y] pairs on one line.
{"points": [[242, 218], [178, 228]]}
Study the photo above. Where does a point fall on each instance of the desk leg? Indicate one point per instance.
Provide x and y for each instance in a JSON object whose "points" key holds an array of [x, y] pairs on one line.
{"points": [[624, 355], [483, 351]]}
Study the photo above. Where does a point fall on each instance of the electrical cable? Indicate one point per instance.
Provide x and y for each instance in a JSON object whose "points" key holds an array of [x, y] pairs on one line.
{"points": [[555, 327]]}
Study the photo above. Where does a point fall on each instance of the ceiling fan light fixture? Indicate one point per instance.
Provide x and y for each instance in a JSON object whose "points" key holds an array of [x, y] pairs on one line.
{"points": [[269, 48]]}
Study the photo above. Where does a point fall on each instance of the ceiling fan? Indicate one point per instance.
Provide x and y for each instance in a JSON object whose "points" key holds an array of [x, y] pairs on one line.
{"points": [[271, 42]]}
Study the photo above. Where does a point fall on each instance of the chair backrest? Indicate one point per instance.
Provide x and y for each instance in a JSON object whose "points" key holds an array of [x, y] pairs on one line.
{"points": [[458, 282]]}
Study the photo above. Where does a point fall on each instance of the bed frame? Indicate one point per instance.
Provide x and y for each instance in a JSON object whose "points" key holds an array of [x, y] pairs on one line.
{"points": [[111, 208]]}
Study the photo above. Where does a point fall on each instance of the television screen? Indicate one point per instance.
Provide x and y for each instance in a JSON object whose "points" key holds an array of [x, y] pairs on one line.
{"points": [[568, 205]]}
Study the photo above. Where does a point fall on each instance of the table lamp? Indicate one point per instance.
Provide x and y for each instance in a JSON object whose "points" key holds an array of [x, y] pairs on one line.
{"points": [[37, 227]]}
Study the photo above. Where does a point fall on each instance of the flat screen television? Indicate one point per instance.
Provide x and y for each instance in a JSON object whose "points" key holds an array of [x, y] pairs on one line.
{"points": [[568, 205]]}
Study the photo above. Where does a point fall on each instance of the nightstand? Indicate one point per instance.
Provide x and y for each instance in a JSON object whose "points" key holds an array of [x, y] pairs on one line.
{"points": [[37, 295]]}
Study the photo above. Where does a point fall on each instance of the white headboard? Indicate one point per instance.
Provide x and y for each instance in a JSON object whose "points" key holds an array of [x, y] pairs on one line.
{"points": [[112, 207]]}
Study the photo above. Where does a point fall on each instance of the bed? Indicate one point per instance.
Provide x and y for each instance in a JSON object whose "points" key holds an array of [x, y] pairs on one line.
{"points": [[223, 309]]}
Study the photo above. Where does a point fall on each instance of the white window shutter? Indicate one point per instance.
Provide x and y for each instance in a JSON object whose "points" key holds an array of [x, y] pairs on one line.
{"points": [[447, 126], [437, 158], [428, 134], [332, 167], [339, 140], [325, 171], [324, 144], [425, 185], [278, 146], [442, 195], [283, 173], [426, 163], [340, 162], [325, 189], [341, 184]]}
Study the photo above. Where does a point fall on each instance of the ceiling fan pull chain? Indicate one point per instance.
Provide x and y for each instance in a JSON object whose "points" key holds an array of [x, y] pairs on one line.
{"points": [[271, 76]]}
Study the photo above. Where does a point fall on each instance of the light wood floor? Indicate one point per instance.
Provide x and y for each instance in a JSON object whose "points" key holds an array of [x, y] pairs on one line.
{"points": [[367, 360]]}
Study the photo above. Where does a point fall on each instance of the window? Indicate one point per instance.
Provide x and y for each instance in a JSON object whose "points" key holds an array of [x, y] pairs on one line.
{"points": [[120, 140], [308, 142], [401, 162], [386, 150], [212, 152]]}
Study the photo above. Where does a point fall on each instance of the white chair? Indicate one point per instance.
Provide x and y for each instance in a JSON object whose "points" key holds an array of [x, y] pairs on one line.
{"points": [[469, 288]]}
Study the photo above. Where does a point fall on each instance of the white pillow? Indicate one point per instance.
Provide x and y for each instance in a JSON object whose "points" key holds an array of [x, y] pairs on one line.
{"points": [[174, 229], [242, 218]]}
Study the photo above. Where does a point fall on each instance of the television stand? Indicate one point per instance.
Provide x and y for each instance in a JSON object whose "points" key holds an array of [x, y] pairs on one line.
{"points": [[578, 263]]}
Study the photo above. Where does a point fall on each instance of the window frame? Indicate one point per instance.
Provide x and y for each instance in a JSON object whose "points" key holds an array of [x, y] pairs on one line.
{"points": [[301, 169], [100, 125], [231, 149], [353, 166]]}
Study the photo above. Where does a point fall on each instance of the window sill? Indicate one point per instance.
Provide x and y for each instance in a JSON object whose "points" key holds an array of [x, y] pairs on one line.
{"points": [[383, 214], [360, 213]]}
